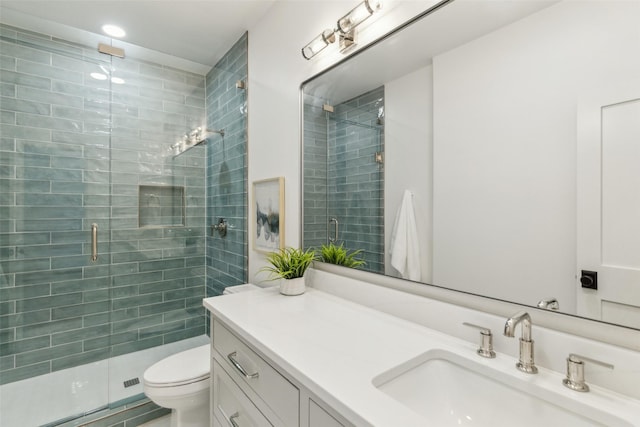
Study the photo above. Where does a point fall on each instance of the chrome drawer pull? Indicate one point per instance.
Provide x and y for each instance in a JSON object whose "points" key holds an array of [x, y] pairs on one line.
{"points": [[232, 419], [238, 366]]}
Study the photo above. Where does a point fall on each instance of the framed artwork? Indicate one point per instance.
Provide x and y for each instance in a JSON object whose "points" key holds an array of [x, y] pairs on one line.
{"points": [[268, 197]]}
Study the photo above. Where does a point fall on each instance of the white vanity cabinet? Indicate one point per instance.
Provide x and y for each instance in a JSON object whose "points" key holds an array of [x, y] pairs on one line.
{"points": [[230, 404], [248, 390]]}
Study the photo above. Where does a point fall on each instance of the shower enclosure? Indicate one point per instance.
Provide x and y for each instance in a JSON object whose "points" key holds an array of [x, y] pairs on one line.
{"points": [[344, 175], [105, 244]]}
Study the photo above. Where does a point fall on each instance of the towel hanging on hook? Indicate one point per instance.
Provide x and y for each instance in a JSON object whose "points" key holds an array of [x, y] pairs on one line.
{"points": [[405, 247]]}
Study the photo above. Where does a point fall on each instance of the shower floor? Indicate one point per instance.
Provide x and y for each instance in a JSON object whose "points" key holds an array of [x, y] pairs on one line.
{"points": [[102, 392]]}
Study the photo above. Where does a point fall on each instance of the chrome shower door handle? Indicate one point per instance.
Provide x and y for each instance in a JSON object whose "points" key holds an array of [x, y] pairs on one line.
{"points": [[94, 242], [334, 221]]}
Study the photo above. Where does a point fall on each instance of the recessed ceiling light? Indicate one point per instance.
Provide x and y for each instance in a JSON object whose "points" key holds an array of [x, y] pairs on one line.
{"points": [[113, 31], [117, 80], [98, 76]]}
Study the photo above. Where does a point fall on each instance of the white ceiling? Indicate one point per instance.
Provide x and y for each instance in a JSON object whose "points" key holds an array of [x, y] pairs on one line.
{"points": [[200, 31]]}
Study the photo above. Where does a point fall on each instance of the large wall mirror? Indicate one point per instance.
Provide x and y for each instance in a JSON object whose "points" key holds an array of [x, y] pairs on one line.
{"points": [[490, 147]]}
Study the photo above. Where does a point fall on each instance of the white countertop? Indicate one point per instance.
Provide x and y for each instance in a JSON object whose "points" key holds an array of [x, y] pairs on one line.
{"points": [[332, 346], [335, 348]]}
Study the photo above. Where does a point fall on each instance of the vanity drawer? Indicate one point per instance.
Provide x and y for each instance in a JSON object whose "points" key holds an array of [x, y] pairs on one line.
{"points": [[230, 405], [276, 391]]}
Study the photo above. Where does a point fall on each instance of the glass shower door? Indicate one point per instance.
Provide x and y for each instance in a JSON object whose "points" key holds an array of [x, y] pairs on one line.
{"points": [[55, 198], [86, 139]]}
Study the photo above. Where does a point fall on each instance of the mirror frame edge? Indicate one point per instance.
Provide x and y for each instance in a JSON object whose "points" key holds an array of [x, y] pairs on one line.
{"points": [[618, 335], [597, 330]]}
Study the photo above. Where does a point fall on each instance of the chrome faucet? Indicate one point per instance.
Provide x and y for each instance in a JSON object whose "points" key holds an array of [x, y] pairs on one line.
{"points": [[525, 363]]}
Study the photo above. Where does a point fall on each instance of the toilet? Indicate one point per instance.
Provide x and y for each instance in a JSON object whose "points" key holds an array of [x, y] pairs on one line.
{"points": [[181, 381]]}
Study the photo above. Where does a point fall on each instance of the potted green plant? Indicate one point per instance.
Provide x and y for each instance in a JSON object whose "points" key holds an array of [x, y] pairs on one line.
{"points": [[289, 265], [338, 255]]}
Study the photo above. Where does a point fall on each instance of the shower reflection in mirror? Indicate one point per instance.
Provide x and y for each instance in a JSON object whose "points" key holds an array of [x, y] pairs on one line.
{"points": [[345, 142]]}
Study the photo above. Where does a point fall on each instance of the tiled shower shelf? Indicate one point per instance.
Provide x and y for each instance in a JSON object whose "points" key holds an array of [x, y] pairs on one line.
{"points": [[161, 206]]}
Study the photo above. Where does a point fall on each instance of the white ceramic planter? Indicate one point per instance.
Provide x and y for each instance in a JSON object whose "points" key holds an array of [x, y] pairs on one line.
{"points": [[292, 286]]}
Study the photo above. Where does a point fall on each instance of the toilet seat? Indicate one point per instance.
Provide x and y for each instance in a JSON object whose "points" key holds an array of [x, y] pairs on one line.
{"points": [[183, 368]]}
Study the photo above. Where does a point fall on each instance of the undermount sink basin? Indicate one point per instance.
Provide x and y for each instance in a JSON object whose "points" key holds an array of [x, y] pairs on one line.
{"points": [[452, 390]]}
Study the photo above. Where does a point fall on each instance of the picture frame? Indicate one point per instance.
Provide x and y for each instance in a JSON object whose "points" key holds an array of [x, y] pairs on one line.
{"points": [[268, 203]]}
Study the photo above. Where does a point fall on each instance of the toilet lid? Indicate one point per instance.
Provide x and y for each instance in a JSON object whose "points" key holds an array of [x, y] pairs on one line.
{"points": [[181, 368]]}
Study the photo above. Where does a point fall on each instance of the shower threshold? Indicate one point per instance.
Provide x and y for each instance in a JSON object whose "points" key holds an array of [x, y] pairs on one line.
{"points": [[134, 410]]}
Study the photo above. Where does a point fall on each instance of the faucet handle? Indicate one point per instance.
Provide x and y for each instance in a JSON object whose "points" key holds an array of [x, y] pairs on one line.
{"points": [[549, 304], [486, 341], [575, 371]]}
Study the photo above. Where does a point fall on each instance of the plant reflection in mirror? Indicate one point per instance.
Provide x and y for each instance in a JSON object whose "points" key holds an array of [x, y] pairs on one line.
{"points": [[340, 256]]}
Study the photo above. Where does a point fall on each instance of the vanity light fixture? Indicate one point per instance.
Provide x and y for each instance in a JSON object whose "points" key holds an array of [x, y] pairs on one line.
{"points": [[346, 30], [312, 48]]}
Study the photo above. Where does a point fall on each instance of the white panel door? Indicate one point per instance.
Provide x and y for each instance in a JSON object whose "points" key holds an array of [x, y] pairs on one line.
{"points": [[609, 204]]}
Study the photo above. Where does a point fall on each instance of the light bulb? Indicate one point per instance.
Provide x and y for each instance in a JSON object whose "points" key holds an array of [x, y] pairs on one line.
{"points": [[358, 14], [317, 44]]}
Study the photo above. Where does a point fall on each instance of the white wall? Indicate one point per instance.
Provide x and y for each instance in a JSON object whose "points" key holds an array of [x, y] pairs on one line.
{"points": [[408, 148], [276, 70], [505, 190]]}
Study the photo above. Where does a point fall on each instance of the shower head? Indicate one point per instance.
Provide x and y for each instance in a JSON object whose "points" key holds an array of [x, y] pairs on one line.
{"points": [[198, 134]]}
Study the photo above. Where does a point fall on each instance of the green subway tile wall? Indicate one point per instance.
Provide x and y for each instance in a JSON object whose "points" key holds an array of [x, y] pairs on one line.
{"points": [[74, 151], [227, 170]]}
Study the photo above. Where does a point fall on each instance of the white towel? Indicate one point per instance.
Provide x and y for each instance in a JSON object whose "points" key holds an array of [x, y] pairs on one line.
{"points": [[405, 248]]}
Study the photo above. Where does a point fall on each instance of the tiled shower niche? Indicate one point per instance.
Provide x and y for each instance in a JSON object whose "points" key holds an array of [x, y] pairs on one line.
{"points": [[161, 206]]}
